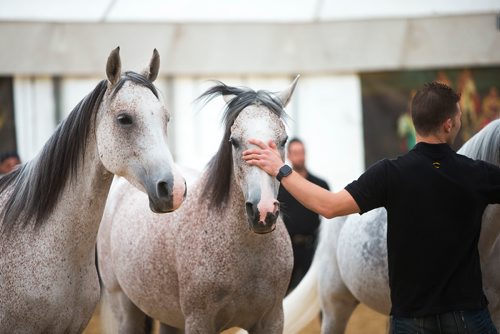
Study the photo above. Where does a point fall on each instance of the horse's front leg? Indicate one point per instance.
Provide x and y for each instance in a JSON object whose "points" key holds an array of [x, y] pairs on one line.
{"points": [[129, 318], [166, 329], [271, 323]]}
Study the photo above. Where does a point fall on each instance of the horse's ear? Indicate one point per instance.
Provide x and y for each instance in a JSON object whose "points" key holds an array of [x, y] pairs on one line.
{"points": [[285, 95], [114, 66], [228, 98], [151, 72]]}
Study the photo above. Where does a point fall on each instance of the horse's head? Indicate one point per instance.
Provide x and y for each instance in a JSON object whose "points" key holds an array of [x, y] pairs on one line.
{"points": [[131, 134], [248, 114]]}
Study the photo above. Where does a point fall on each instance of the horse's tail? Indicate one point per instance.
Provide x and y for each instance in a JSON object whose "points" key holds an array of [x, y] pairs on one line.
{"points": [[302, 305]]}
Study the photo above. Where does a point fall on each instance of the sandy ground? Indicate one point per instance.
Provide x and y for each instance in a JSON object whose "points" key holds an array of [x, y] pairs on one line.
{"points": [[363, 321]]}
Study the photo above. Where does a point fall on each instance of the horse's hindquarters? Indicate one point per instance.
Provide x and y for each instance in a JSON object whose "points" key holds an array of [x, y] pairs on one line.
{"points": [[362, 259]]}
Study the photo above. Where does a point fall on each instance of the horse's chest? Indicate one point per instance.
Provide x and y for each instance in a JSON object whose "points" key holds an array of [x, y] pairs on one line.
{"points": [[45, 291], [225, 269]]}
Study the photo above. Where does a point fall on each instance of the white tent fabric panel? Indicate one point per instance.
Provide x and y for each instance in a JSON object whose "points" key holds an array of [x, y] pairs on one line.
{"points": [[233, 10], [34, 114], [198, 130], [73, 90], [213, 11], [369, 9], [329, 121], [53, 10]]}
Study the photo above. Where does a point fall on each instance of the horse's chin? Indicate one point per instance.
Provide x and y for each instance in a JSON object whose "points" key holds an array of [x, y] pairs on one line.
{"points": [[258, 228], [159, 207]]}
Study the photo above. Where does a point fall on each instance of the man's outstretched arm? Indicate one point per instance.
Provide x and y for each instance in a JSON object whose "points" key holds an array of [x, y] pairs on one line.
{"points": [[326, 203]]}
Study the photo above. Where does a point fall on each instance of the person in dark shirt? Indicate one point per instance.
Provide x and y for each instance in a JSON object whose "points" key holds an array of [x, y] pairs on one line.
{"points": [[302, 224], [435, 199]]}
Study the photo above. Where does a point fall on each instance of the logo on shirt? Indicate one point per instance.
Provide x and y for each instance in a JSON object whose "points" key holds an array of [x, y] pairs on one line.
{"points": [[436, 164]]}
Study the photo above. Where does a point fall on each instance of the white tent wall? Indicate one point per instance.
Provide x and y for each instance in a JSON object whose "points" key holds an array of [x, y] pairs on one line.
{"points": [[198, 49], [325, 110]]}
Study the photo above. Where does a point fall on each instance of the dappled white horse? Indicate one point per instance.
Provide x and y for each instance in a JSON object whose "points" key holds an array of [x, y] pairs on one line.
{"points": [[51, 207], [224, 258], [350, 264]]}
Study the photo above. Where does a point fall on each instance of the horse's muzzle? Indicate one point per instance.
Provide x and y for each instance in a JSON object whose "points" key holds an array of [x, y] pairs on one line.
{"points": [[161, 198], [258, 225]]}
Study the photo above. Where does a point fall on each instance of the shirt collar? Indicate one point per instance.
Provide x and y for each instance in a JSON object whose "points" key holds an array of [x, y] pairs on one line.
{"points": [[433, 148]]}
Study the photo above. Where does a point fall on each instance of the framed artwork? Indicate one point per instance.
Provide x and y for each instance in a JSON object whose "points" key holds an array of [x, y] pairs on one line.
{"points": [[386, 97]]}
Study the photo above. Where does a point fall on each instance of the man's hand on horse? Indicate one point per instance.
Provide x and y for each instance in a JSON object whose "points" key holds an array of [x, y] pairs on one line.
{"points": [[264, 156]]}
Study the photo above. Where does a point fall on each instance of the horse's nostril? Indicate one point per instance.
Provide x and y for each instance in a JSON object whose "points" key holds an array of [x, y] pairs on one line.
{"points": [[162, 189], [249, 206], [271, 218]]}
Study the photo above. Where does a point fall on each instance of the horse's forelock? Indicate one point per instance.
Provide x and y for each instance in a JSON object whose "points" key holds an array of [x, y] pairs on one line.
{"points": [[136, 78]]}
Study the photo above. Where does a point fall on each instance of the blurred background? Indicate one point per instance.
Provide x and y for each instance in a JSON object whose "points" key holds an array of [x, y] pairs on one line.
{"points": [[360, 62]]}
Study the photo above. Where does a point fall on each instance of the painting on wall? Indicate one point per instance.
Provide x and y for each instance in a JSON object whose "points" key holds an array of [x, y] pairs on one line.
{"points": [[7, 123], [386, 97]]}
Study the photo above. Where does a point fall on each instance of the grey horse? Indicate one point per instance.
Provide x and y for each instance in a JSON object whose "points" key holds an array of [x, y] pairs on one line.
{"points": [[51, 207], [223, 259]]}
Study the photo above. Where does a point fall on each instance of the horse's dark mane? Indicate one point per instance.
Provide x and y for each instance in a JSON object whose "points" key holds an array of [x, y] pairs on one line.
{"points": [[37, 185], [484, 145], [220, 167]]}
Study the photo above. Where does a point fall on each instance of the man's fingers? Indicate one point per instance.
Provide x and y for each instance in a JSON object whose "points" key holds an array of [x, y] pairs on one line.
{"points": [[251, 151], [257, 142], [272, 144], [250, 157]]}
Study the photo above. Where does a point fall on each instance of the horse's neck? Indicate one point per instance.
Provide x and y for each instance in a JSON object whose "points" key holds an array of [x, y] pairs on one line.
{"points": [[490, 230], [231, 216], [81, 205]]}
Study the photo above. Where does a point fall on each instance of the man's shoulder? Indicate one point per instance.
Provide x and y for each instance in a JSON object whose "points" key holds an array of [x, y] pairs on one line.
{"points": [[476, 164]]}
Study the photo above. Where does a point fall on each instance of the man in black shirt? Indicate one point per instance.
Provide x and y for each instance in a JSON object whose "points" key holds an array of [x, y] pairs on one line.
{"points": [[435, 199], [302, 224]]}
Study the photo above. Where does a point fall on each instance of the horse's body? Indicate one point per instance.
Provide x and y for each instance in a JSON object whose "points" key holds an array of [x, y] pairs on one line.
{"points": [[51, 207], [204, 268], [352, 255]]}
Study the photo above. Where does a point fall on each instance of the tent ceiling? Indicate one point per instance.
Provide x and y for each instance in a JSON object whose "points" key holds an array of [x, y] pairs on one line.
{"points": [[233, 10]]}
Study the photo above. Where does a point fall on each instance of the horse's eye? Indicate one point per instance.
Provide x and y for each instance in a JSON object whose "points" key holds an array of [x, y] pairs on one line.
{"points": [[283, 142], [234, 142], [124, 119]]}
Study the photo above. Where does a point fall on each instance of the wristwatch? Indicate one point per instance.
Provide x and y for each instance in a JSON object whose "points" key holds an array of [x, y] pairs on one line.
{"points": [[285, 170]]}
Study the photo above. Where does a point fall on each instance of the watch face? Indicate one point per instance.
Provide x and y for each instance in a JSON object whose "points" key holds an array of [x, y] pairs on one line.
{"points": [[284, 171]]}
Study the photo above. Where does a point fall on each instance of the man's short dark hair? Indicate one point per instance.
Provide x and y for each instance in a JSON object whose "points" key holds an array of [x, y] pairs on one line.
{"points": [[432, 105], [294, 140]]}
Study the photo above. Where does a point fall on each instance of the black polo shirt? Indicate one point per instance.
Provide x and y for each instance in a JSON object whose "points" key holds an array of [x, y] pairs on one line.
{"points": [[435, 199], [297, 218]]}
